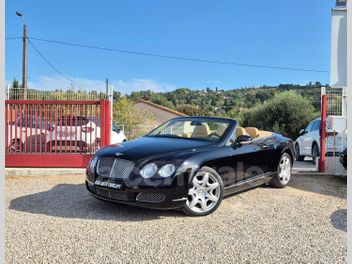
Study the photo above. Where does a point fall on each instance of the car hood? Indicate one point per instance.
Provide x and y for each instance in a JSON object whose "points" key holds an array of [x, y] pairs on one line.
{"points": [[153, 147]]}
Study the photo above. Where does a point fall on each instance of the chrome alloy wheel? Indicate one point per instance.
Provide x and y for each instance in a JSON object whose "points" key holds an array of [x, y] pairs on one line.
{"points": [[285, 169], [204, 193]]}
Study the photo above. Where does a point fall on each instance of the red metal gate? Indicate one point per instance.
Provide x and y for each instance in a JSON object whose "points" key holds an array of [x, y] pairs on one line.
{"points": [[62, 134]]}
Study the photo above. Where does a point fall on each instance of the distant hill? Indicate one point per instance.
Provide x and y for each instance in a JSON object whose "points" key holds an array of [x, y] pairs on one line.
{"points": [[225, 103]]}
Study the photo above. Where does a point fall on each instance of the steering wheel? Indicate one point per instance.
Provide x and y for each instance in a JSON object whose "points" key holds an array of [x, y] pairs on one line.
{"points": [[214, 135]]}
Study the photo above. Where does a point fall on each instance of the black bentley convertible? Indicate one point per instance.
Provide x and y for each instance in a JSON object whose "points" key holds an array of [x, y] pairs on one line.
{"points": [[190, 163]]}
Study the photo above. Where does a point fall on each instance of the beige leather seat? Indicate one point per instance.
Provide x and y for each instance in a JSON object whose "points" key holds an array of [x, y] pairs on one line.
{"points": [[253, 132], [240, 131], [263, 134], [201, 131], [221, 130]]}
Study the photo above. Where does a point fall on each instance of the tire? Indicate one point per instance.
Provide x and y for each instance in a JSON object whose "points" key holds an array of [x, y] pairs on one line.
{"points": [[16, 146], [205, 183], [315, 152], [298, 157], [284, 172]]}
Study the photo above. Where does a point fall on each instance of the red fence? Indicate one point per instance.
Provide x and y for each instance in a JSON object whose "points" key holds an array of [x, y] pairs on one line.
{"points": [[55, 133]]}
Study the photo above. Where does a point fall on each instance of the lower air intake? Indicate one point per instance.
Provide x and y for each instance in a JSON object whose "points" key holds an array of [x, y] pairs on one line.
{"points": [[150, 197]]}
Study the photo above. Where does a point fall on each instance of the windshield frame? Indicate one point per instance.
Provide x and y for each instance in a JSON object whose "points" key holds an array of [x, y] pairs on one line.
{"points": [[231, 124]]}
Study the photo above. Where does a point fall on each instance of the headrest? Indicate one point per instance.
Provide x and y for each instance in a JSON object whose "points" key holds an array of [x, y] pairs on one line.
{"points": [[221, 130], [201, 131], [240, 131], [252, 131]]}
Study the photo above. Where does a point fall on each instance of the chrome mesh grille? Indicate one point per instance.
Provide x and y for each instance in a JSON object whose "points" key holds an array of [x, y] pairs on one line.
{"points": [[115, 168], [112, 195], [150, 197]]}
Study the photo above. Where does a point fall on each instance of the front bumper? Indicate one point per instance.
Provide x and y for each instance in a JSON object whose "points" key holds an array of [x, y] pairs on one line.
{"points": [[157, 198]]}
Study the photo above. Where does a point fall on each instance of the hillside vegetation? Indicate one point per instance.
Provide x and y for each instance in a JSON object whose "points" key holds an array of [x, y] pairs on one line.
{"points": [[286, 108]]}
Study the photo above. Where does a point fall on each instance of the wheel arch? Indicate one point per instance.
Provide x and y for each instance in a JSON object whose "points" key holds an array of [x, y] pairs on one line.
{"points": [[289, 152], [315, 143], [196, 166]]}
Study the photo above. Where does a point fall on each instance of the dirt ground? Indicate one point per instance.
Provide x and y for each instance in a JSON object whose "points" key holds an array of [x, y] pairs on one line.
{"points": [[54, 220]]}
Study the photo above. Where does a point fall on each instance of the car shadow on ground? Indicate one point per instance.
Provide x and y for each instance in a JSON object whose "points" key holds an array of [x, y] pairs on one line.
{"points": [[74, 201], [339, 219]]}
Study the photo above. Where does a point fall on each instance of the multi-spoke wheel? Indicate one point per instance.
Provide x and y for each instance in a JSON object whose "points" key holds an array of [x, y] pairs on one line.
{"points": [[284, 170], [205, 193]]}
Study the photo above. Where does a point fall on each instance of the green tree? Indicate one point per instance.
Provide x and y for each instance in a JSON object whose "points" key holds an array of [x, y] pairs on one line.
{"points": [[125, 113], [286, 113], [16, 91], [15, 84]]}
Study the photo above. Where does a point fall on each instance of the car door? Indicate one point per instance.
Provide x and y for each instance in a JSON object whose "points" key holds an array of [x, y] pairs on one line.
{"points": [[250, 159], [315, 134], [311, 137], [306, 140]]}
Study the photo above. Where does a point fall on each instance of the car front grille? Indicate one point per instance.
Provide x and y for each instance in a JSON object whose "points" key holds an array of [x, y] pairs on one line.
{"points": [[150, 197], [112, 194], [114, 167]]}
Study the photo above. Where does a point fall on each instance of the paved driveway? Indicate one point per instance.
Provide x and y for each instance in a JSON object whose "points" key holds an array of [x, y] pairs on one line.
{"points": [[54, 220]]}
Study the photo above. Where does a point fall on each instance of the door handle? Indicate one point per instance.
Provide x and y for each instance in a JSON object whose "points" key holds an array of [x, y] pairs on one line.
{"points": [[264, 146]]}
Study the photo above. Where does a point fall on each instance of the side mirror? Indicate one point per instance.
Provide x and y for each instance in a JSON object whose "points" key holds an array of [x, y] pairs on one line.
{"points": [[302, 132], [243, 139], [115, 129]]}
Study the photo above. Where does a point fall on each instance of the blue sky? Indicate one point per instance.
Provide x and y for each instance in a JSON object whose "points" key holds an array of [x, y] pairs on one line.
{"points": [[286, 33]]}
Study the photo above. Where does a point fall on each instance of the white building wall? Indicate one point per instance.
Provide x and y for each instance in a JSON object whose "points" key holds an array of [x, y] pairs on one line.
{"points": [[338, 55]]}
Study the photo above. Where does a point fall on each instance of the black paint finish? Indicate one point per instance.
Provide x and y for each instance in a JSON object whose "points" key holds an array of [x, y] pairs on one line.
{"points": [[241, 165]]}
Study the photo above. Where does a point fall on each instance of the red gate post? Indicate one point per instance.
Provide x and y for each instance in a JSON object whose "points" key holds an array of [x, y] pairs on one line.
{"points": [[102, 123], [108, 122], [322, 134]]}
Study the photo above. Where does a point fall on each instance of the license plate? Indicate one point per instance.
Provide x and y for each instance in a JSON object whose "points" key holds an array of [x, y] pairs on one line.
{"points": [[112, 185], [67, 134]]}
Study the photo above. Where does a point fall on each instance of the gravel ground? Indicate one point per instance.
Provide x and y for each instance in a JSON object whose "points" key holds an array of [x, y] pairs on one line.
{"points": [[54, 220]]}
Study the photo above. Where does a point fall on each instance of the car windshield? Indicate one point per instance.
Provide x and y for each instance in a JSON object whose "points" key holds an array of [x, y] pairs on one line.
{"points": [[204, 129]]}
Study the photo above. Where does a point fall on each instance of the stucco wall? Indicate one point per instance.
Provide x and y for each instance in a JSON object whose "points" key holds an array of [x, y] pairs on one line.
{"points": [[158, 116]]}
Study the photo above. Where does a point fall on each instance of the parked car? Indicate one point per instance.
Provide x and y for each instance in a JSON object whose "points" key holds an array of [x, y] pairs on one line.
{"points": [[308, 142], [28, 133], [76, 133], [190, 163], [80, 133], [117, 135], [343, 158]]}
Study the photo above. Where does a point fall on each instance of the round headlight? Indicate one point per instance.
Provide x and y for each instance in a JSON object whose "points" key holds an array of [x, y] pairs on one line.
{"points": [[149, 170], [167, 170], [91, 165]]}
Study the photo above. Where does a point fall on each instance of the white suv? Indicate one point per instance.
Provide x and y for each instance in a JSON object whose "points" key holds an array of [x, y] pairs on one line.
{"points": [[308, 142]]}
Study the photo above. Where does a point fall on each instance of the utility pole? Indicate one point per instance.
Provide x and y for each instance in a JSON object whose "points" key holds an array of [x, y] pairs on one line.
{"points": [[24, 62]]}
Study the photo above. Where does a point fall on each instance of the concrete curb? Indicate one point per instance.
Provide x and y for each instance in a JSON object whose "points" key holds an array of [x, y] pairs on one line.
{"points": [[315, 174], [42, 172]]}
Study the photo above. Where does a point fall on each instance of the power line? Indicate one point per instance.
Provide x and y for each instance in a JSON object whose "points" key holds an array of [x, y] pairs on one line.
{"points": [[178, 58], [48, 62], [9, 38], [56, 69]]}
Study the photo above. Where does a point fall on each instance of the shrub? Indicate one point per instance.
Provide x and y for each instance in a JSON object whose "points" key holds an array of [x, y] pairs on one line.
{"points": [[286, 113]]}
